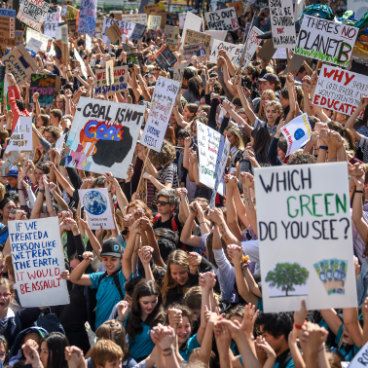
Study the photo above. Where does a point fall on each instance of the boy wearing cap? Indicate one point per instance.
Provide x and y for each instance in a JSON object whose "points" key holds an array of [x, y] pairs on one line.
{"points": [[110, 284]]}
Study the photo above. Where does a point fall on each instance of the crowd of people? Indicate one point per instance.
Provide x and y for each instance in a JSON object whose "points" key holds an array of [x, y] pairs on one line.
{"points": [[176, 283]]}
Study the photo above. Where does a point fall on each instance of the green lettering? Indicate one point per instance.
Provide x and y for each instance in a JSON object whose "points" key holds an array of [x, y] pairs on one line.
{"points": [[328, 204], [341, 203], [288, 208], [315, 205], [305, 203]]}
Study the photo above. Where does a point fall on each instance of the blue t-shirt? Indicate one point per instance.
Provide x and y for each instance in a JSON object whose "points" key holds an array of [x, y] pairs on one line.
{"points": [[107, 294], [142, 345], [192, 343]]}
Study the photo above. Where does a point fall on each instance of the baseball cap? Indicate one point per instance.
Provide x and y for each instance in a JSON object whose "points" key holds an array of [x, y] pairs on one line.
{"points": [[270, 77], [111, 248], [12, 173]]}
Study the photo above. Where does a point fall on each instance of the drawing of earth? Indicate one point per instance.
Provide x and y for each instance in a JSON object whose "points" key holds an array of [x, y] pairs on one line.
{"points": [[94, 203]]}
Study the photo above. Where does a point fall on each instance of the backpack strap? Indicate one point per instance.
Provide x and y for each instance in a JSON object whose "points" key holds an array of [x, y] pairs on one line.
{"points": [[117, 284]]}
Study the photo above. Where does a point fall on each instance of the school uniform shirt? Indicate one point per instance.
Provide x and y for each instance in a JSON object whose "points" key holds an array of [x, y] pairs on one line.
{"points": [[191, 344], [107, 294], [284, 360], [142, 345]]}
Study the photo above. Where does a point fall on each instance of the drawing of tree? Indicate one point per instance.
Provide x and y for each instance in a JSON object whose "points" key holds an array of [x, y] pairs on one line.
{"points": [[286, 275]]}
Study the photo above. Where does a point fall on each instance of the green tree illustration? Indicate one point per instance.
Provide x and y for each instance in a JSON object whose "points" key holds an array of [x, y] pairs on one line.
{"points": [[286, 275]]}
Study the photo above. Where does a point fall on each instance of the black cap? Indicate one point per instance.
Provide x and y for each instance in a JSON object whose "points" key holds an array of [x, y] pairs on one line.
{"points": [[111, 248], [270, 77]]}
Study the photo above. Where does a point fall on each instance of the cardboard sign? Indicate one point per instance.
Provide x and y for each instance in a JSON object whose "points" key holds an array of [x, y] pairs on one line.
{"points": [[326, 40], [223, 19], [109, 68], [304, 230], [172, 35], [359, 7], [20, 63], [208, 148], [340, 90], [162, 103], [87, 17], [154, 22], [113, 33], [195, 38], [38, 261], [282, 23], [33, 12], [7, 27], [135, 18], [165, 58], [297, 133], [51, 26], [96, 203], [21, 138], [119, 84], [2, 82], [234, 51], [103, 136], [47, 85]]}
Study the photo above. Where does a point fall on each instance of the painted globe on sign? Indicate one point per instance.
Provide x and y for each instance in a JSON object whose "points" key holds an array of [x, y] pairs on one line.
{"points": [[94, 203]]}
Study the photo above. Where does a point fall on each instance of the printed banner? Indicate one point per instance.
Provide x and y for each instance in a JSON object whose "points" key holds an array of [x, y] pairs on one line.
{"points": [[340, 90], [103, 136], [47, 85], [20, 63], [306, 247], [326, 40], [120, 80], [282, 23], [87, 17], [208, 148], [162, 103], [223, 19], [234, 51], [195, 38], [21, 138], [96, 203], [7, 27], [33, 12], [38, 261], [297, 133]]}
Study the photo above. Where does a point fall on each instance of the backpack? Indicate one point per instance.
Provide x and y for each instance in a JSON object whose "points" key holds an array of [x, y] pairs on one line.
{"points": [[50, 322]]}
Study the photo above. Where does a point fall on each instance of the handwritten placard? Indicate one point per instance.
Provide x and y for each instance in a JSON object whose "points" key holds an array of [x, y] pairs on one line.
{"points": [[21, 138], [47, 85], [38, 261], [87, 17], [224, 19], [234, 51], [163, 100], [33, 12], [195, 38], [119, 83], [7, 27]]}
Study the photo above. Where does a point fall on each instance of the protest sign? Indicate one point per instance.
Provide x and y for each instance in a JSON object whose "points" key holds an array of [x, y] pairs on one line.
{"points": [[223, 19], [51, 27], [360, 360], [165, 58], [208, 148], [326, 40], [33, 12], [41, 38], [297, 133], [216, 34], [135, 18], [193, 22], [251, 45], [47, 85], [339, 90], [120, 80], [7, 27], [81, 62], [162, 103], [305, 235], [20, 63], [96, 204], [154, 22], [2, 82], [234, 51], [38, 261], [87, 17], [103, 136], [114, 33], [33, 46], [195, 38], [221, 161], [182, 17], [21, 138], [109, 69], [280, 54], [172, 36], [359, 7], [282, 23], [198, 50]]}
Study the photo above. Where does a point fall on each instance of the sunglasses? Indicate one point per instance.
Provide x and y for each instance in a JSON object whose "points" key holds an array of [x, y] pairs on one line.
{"points": [[162, 203]]}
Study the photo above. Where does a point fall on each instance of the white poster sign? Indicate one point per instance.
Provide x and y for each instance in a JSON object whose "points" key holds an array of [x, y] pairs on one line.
{"points": [[193, 22], [360, 7], [163, 101], [21, 138], [103, 136], [234, 51], [282, 23], [326, 40], [223, 19], [96, 203], [154, 22], [304, 230], [33, 12], [360, 360], [51, 26], [38, 261], [253, 42], [340, 90], [216, 34], [208, 148]]}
